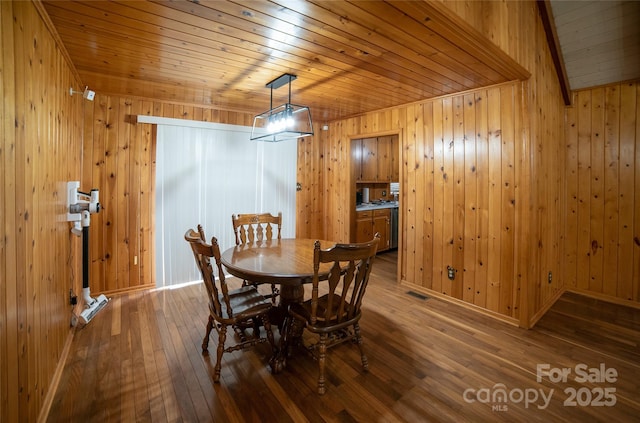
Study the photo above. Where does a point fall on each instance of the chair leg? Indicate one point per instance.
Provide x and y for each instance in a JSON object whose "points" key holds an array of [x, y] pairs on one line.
{"points": [[322, 356], [222, 338], [205, 341], [285, 336], [267, 328], [256, 328], [365, 361]]}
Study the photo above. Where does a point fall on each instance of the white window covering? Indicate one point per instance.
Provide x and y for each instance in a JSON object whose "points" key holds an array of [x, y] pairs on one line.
{"points": [[204, 175]]}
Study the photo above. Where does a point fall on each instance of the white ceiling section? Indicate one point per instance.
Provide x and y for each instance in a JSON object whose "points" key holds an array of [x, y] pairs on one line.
{"points": [[599, 40]]}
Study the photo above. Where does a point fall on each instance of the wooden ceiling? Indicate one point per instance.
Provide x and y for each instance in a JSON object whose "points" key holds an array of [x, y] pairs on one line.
{"points": [[349, 57]]}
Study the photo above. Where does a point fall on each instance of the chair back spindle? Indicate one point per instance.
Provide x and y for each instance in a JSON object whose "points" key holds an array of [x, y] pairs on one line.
{"points": [[250, 228]]}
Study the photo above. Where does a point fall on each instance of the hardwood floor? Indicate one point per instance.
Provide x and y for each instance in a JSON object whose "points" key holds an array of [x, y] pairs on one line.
{"points": [[140, 360]]}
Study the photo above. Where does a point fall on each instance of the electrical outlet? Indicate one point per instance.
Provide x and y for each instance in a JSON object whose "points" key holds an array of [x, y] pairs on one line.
{"points": [[451, 273], [550, 276]]}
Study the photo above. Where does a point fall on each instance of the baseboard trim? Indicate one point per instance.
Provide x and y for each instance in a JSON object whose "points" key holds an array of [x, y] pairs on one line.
{"points": [[55, 380], [126, 290], [543, 310], [435, 294], [603, 297]]}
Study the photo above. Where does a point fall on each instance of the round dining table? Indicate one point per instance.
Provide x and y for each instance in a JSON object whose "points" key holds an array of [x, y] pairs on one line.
{"points": [[284, 262]]}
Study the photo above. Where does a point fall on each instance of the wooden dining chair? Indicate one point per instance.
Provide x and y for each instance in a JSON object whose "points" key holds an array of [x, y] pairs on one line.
{"points": [[257, 227], [236, 307], [335, 316]]}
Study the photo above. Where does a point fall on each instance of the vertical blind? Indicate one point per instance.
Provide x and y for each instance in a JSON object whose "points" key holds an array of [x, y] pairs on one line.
{"points": [[204, 175]]}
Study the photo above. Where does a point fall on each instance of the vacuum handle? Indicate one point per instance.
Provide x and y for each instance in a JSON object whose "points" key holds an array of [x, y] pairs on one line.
{"points": [[85, 248]]}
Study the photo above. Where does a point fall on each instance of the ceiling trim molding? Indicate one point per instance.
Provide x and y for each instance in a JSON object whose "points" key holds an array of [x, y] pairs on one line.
{"points": [[549, 25], [466, 37], [44, 15]]}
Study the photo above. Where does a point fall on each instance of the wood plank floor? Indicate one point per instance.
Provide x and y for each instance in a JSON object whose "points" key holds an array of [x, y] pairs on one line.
{"points": [[139, 360]]}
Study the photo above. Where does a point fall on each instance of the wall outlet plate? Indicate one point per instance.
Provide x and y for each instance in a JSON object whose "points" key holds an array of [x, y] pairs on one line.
{"points": [[451, 273]]}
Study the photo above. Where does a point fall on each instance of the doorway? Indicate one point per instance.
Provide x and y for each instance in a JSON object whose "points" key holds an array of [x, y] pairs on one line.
{"points": [[375, 185]]}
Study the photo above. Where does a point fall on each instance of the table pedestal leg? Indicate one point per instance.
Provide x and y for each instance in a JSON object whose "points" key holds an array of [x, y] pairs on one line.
{"points": [[291, 294], [288, 295]]}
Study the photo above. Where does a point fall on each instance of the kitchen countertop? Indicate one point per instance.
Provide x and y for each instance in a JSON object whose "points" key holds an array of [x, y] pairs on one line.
{"points": [[377, 206]]}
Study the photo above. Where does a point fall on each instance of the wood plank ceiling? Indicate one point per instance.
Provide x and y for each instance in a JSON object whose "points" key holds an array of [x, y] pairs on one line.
{"points": [[349, 57]]}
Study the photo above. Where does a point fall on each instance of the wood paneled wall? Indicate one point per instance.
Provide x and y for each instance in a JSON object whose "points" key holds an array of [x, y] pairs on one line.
{"points": [[119, 160], [49, 138], [516, 28], [461, 179], [481, 178], [309, 207], [602, 198], [40, 151]]}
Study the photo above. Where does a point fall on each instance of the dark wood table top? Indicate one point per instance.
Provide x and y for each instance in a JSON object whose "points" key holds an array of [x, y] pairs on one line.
{"points": [[279, 261]]}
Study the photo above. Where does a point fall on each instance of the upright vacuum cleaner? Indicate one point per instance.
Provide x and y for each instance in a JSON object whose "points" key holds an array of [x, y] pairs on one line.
{"points": [[80, 207]]}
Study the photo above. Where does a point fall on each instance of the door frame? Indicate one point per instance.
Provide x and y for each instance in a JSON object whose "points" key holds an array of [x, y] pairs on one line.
{"points": [[352, 190]]}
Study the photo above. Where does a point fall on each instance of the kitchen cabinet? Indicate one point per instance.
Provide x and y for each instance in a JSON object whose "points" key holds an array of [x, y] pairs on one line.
{"points": [[382, 225], [384, 159], [374, 159], [369, 222], [364, 225], [369, 167], [394, 159]]}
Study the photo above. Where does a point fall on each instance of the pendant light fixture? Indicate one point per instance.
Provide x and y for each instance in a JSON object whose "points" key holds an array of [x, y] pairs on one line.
{"points": [[285, 122]]}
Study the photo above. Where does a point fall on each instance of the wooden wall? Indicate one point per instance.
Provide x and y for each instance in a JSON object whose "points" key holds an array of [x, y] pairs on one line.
{"points": [[460, 172], [119, 160], [49, 138], [40, 150], [602, 198], [516, 28], [309, 207], [481, 179]]}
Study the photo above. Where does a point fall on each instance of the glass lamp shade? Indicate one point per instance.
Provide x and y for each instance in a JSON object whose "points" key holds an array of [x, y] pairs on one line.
{"points": [[285, 122]]}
